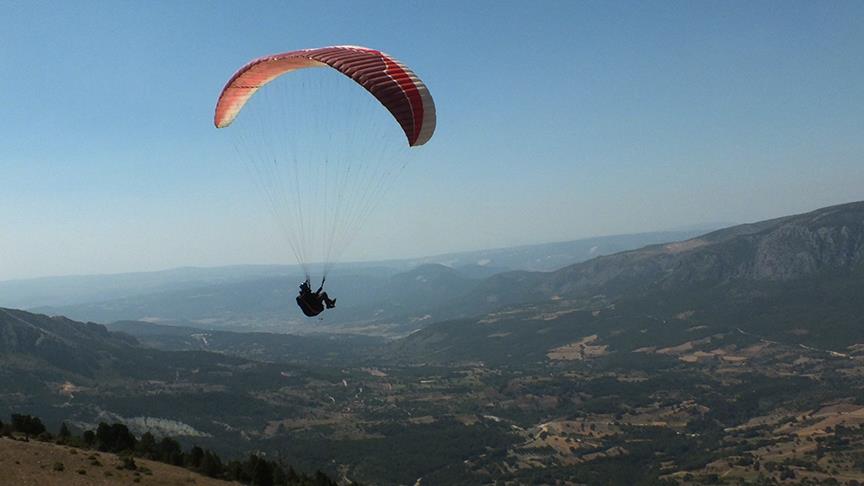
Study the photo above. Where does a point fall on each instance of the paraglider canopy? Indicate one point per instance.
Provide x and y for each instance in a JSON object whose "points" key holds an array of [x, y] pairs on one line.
{"points": [[393, 84]]}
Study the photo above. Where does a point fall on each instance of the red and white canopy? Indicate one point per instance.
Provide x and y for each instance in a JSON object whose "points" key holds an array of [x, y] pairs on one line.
{"points": [[388, 80]]}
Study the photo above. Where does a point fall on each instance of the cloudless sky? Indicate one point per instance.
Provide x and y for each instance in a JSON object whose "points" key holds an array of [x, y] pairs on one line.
{"points": [[556, 120]]}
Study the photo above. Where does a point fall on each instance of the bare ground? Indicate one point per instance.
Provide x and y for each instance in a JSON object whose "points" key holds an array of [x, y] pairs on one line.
{"points": [[36, 463]]}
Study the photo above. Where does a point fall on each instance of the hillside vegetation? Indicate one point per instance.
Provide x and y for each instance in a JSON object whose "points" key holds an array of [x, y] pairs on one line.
{"points": [[34, 463]]}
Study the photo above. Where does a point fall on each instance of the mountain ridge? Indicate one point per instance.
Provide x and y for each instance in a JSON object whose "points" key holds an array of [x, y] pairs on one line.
{"points": [[780, 249], [43, 292], [798, 279]]}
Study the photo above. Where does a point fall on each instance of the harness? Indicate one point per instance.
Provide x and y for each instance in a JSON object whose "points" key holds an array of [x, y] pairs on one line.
{"points": [[311, 307]]}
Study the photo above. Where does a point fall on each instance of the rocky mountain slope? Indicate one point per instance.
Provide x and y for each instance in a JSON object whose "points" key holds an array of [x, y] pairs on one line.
{"points": [[825, 242], [828, 240], [799, 279]]}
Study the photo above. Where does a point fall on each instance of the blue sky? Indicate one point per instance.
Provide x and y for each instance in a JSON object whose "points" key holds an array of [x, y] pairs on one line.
{"points": [[557, 120]]}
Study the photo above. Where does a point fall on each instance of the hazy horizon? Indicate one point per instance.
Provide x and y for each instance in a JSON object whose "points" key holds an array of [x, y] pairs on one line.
{"points": [[556, 121], [706, 227]]}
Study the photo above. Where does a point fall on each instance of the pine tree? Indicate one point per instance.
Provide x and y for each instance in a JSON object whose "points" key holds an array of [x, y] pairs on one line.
{"points": [[27, 425], [321, 479], [211, 465], [194, 458], [64, 432], [279, 478], [147, 446], [115, 438], [169, 451], [262, 475], [89, 438]]}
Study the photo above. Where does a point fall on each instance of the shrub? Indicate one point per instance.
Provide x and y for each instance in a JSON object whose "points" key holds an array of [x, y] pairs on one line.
{"points": [[128, 462], [27, 424]]}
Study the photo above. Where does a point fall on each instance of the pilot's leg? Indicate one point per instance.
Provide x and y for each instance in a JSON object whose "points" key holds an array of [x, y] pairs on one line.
{"points": [[330, 303]]}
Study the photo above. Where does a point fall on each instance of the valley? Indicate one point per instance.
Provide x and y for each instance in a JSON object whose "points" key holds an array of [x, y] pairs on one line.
{"points": [[660, 365]]}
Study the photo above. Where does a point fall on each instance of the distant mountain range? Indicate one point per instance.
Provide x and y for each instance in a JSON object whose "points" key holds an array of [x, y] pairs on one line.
{"points": [[797, 279], [552, 256], [261, 297], [740, 262], [70, 290], [783, 278]]}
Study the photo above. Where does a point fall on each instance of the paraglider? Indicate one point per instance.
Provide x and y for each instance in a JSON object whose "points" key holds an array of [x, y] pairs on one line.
{"points": [[313, 303], [319, 159]]}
